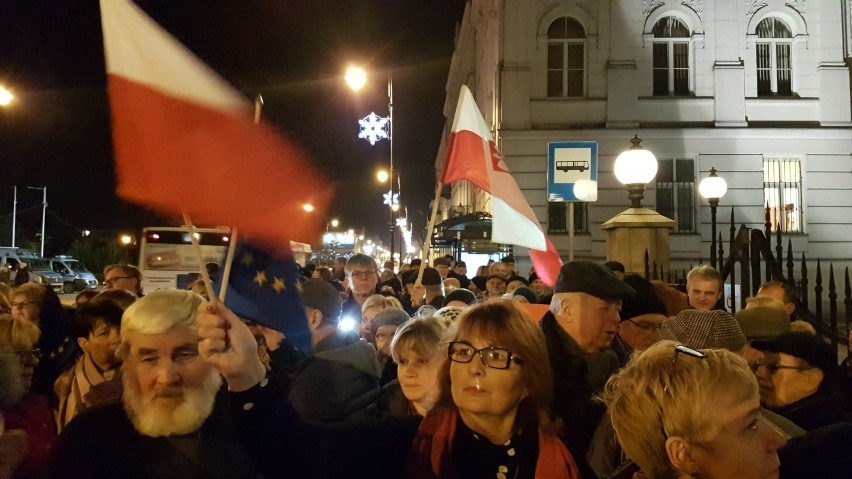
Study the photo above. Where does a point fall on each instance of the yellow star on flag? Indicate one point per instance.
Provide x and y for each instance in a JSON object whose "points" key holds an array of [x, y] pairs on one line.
{"points": [[260, 278], [247, 259], [278, 284]]}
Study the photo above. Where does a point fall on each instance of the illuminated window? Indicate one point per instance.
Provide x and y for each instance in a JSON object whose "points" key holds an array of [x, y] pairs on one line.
{"points": [[774, 70], [671, 57], [557, 218], [782, 193], [566, 58], [676, 192]]}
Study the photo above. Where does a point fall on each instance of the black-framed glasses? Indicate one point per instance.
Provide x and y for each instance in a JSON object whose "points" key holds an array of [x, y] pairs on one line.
{"points": [[774, 367], [492, 356], [647, 327], [678, 350], [363, 274], [22, 304], [110, 281], [29, 354]]}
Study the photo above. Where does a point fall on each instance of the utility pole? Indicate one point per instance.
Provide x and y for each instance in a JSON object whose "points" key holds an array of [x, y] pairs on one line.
{"points": [[14, 212], [43, 213]]}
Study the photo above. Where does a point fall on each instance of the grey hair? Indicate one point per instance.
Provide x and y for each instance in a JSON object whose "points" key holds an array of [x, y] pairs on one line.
{"points": [[160, 311]]}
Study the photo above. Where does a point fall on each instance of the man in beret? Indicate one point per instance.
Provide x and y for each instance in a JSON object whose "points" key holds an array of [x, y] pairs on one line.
{"points": [[579, 328], [459, 272]]}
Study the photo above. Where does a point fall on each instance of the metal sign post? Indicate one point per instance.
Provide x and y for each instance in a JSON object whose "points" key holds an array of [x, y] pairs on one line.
{"points": [[572, 176]]}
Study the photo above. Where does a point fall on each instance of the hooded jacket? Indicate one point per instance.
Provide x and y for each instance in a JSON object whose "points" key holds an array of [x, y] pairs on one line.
{"points": [[340, 380]]}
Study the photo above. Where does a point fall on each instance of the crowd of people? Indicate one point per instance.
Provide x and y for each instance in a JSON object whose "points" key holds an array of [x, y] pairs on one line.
{"points": [[422, 372]]}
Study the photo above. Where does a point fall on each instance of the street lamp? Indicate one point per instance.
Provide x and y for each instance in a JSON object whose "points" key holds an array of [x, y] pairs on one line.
{"points": [[335, 223], [635, 168], [713, 188], [6, 97], [382, 176], [373, 129], [308, 207], [43, 212]]}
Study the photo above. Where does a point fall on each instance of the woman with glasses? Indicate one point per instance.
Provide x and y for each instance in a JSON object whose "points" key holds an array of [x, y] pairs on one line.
{"points": [[684, 413], [492, 418], [32, 412]]}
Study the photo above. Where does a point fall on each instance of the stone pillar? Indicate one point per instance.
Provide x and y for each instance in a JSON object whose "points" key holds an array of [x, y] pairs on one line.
{"points": [[633, 231]]}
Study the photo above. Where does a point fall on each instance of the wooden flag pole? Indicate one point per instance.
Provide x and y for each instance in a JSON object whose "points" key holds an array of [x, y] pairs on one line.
{"points": [[229, 260], [208, 286], [425, 253]]}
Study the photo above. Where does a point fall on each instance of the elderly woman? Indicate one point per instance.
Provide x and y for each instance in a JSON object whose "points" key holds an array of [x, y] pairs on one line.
{"points": [[491, 419], [31, 413], [683, 413]]}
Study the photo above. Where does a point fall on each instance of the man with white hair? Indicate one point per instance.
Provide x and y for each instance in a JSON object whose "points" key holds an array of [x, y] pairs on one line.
{"points": [[164, 425]]}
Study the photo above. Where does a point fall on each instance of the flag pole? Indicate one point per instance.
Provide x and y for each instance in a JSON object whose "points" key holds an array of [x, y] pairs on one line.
{"points": [[229, 260], [428, 246], [208, 286]]}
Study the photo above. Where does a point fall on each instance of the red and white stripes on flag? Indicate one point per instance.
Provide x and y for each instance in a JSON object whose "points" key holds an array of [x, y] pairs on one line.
{"points": [[473, 156], [186, 141]]}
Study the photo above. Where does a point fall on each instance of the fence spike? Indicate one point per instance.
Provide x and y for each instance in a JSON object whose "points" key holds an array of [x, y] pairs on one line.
{"points": [[790, 280], [803, 284], [832, 309], [818, 292], [647, 259]]}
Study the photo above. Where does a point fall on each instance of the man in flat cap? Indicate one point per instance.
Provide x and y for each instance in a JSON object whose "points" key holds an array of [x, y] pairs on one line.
{"points": [[579, 328]]}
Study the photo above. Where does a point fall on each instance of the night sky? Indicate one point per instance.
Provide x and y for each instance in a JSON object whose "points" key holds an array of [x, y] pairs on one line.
{"points": [[57, 133]]}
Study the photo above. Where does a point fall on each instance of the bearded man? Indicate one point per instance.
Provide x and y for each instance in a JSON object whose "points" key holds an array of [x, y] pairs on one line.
{"points": [[165, 425]]}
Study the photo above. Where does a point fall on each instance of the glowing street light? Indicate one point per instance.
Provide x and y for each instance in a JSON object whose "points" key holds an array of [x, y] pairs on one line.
{"points": [[635, 168], [125, 240], [356, 77], [382, 176], [335, 223], [6, 96], [309, 208], [713, 188]]}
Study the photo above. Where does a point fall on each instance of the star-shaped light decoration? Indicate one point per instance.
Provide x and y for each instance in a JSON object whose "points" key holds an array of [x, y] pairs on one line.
{"points": [[260, 278], [391, 198], [402, 222], [247, 259], [278, 284], [373, 128]]}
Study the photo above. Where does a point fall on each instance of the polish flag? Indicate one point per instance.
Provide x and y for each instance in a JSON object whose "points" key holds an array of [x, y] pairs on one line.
{"points": [[185, 140], [473, 156]]}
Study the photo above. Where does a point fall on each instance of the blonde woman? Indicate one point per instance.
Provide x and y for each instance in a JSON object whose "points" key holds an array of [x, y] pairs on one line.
{"points": [[372, 306]]}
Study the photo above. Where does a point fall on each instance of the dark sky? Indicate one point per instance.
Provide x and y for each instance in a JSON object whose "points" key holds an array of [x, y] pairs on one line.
{"points": [[57, 133]]}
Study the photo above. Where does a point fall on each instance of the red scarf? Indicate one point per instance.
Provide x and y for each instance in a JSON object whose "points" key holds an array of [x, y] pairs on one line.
{"points": [[430, 453]]}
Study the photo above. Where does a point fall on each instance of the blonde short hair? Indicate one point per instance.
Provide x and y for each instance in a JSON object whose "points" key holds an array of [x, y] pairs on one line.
{"points": [[654, 398], [19, 334], [423, 336], [158, 312], [380, 303], [32, 292]]}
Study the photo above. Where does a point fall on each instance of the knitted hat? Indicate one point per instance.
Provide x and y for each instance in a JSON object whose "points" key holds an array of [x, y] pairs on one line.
{"points": [[646, 300], [526, 293], [713, 329], [388, 317], [431, 277], [448, 315], [466, 296], [761, 322]]}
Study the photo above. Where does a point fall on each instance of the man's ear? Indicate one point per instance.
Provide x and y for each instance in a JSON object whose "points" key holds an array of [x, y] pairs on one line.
{"points": [[314, 319], [677, 448], [82, 342]]}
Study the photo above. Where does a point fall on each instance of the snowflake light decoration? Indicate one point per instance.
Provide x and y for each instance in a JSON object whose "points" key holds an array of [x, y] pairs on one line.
{"points": [[373, 128], [391, 198], [402, 222]]}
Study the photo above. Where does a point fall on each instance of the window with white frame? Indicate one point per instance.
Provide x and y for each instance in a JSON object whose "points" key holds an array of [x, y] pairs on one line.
{"points": [[676, 192], [671, 57], [774, 66], [782, 193], [557, 218], [566, 58]]}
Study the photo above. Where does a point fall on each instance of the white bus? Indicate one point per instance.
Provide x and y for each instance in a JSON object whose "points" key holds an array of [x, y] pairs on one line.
{"points": [[167, 258]]}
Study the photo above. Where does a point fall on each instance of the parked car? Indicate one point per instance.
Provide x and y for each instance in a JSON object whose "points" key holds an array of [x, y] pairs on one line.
{"points": [[11, 259], [75, 276], [42, 272]]}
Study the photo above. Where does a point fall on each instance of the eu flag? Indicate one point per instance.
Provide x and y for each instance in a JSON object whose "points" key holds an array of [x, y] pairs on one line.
{"points": [[266, 290]]}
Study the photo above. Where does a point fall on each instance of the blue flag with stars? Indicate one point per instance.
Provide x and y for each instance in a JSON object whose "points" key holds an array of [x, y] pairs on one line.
{"points": [[265, 290]]}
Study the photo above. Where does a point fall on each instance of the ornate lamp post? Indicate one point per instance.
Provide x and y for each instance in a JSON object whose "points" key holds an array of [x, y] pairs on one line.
{"points": [[635, 168], [713, 188]]}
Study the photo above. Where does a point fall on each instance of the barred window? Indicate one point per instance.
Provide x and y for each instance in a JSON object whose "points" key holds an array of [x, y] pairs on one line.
{"points": [[782, 193], [774, 65], [671, 57], [566, 58], [557, 218], [676, 192]]}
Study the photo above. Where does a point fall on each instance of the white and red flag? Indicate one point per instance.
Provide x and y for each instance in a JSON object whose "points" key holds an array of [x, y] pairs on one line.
{"points": [[473, 156], [186, 141]]}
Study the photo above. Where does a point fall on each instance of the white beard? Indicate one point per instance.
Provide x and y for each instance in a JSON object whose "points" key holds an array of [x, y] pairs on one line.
{"points": [[186, 417]]}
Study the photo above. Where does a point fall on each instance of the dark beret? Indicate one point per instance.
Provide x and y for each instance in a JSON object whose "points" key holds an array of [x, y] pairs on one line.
{"points": [[591, 278]]}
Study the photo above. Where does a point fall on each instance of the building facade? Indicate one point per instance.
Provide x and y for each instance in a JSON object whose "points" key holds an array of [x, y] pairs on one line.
{"points": [[758, 90]]}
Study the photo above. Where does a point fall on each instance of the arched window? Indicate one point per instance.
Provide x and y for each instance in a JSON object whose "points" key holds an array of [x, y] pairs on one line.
{"points": [[671, 57], [774, 67], [566, 58]]}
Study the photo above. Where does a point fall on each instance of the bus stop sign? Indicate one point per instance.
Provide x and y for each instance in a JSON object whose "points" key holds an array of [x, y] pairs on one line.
{"points": [[572, 171]]}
